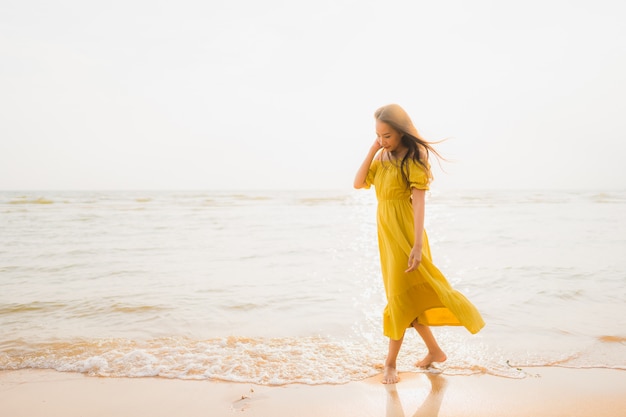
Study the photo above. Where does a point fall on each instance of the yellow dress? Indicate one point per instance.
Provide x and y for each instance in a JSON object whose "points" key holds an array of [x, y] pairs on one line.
{"points": [[425, 293]]}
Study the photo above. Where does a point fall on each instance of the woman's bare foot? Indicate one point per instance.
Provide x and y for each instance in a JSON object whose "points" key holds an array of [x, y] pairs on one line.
{"points": [[390, 375], [431, 357]]}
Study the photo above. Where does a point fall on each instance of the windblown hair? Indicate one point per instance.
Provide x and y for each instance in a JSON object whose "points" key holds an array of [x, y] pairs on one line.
{"points": [[419, 149]]}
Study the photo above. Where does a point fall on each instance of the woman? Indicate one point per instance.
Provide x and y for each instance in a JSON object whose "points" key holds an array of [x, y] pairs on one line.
{"points": [[418, 295]]}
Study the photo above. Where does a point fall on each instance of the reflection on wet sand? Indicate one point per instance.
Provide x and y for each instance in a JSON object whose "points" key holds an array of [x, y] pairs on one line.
{"points": [[431, 405]]}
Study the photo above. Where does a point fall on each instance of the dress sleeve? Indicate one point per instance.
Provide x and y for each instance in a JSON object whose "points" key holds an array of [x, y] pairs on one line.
{"points": [[419, 177], [369, 180]]}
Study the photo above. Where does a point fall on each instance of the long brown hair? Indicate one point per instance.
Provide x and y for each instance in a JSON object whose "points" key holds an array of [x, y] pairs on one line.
{"points": [[419, 149]]}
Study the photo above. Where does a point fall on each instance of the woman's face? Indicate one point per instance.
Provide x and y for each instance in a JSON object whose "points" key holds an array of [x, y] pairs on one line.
{"points": [[388, 137]]}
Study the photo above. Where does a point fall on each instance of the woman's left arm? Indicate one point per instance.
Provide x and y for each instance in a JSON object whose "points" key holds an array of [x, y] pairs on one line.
{"points": [[418, 199]]}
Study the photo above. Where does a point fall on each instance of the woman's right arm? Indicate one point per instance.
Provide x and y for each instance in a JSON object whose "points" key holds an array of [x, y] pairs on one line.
{"points": [[361, 175]]}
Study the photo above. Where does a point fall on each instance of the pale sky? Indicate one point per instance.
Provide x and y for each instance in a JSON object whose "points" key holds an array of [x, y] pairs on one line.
{"points": [[249, 94]]}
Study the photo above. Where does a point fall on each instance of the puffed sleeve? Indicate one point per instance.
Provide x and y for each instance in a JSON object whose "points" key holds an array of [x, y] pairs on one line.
{"points": [[419, 177], [371, 174]]}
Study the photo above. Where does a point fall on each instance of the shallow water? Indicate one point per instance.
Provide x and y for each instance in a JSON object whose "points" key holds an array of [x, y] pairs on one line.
{"points": [[279, 287]]}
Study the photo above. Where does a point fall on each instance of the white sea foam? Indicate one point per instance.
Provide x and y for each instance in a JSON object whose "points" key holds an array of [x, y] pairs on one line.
{"points": [[262, 361]]}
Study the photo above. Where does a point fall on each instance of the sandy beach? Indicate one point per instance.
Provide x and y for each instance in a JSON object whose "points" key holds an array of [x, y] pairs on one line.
{"points": [[548, 392]]}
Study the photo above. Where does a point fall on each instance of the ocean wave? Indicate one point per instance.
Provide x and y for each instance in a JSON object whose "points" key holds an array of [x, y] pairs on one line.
{"points": [[612, 339], [264, 361], [78, 309], [314, 201], [38, 306], [25, 200], [237, 359], [608, 198]]}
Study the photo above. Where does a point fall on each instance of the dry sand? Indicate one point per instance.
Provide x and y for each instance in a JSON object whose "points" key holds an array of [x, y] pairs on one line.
{"points": [[552, 392]]}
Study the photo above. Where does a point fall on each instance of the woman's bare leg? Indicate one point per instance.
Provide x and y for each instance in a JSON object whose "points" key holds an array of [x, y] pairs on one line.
{"points": [[390, 374], [435, 354]]}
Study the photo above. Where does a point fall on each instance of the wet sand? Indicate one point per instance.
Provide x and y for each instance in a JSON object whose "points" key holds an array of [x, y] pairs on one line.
{"points": [[548, 392]]}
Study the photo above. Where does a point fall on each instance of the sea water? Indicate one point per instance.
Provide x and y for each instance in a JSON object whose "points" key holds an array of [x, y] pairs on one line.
{"points": [[279, 287]]}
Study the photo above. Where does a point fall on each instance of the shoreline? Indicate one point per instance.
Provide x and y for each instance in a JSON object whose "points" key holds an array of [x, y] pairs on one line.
{"points": [[550, 391]]}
